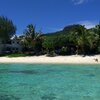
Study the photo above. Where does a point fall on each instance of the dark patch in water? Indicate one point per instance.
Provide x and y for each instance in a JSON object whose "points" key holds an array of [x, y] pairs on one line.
{"points": [[25, 72], [3, 70], [8, 97], [88, 98], [48, 97], [91, 75], [29, 71]]}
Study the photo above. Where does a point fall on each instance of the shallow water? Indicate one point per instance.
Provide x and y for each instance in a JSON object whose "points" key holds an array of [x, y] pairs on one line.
{"points": [[49, 82]]}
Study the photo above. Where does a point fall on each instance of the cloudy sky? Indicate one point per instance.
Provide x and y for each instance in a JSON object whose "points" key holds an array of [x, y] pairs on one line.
{"points": [[51, 15]]}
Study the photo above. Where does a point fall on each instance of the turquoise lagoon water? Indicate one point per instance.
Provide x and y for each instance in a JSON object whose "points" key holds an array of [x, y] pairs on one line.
{"points": [[49, 82]]}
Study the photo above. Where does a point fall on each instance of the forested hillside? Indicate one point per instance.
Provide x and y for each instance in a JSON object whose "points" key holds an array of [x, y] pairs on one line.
{"points": [[74, 39]]}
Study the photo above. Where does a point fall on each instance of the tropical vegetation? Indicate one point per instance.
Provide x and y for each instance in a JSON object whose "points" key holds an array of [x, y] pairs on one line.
{"points": [[73, 39], [7, 28]]}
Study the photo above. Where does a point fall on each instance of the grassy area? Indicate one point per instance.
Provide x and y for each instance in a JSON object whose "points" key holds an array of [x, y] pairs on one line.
{"points": [[18, 55]]}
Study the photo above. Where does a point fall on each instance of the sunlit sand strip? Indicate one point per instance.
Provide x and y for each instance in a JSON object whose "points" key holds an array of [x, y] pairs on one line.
{"points": [[75, 59]]}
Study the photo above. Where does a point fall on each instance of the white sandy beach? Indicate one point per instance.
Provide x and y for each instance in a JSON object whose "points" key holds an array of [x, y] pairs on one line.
{"points": [[75, 59]]}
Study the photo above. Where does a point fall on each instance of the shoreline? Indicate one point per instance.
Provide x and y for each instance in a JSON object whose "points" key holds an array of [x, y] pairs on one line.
{"points": [[74, 59]]}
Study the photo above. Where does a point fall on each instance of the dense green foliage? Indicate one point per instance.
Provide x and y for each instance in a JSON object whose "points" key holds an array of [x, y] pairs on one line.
{"points": [[73, 39], [7, 28], [31, 40], [17, 55]]}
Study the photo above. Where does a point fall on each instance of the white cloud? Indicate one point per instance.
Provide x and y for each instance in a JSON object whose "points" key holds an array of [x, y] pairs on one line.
{"points": [[78, 2], [88, 24]]}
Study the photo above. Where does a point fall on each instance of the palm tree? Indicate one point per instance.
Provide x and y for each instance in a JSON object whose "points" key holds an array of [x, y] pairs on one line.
{"points": [[31, 38], [78, 37], [98, 29], [81, 39]]}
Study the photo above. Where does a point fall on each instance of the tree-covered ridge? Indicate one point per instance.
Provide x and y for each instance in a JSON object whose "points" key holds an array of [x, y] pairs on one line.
{"points": [[73, 39]]}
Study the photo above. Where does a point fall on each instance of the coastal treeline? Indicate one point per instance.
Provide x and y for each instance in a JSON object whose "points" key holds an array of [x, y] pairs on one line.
{"points": [[73, 39]]}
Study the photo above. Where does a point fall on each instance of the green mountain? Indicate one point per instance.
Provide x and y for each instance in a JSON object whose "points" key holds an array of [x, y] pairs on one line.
{"points": [[74, 39]]}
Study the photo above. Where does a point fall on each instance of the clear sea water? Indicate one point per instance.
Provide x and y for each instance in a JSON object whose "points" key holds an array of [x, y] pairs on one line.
{"points": [[49, 82]]}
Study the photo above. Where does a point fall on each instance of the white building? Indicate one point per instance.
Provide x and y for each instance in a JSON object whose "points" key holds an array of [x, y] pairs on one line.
{"points": [[12, 47]]}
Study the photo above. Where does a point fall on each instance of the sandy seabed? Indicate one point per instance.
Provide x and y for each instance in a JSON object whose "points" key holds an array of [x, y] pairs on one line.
{"points": [[74, 59]]}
